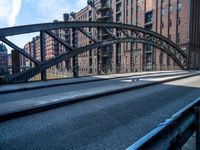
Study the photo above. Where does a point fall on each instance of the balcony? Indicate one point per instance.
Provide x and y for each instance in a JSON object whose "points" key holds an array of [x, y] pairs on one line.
{"points": [[105, 52], [103, 7], [118, 1], [102, 17], [148, 17], [118, 17], [118, 8], [104, 35]]}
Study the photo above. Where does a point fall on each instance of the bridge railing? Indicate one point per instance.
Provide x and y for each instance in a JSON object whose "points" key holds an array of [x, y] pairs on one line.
{"points": [[63, 73], [174, 132], [116, 34]]}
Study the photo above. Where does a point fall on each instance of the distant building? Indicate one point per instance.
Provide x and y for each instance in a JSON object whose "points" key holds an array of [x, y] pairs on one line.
{"points": [[52, 48], [31, 48], [3, 59]]}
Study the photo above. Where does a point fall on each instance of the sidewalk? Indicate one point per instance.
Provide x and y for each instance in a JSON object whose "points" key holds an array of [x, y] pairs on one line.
{"points": [[27, 106], [50, 83]]}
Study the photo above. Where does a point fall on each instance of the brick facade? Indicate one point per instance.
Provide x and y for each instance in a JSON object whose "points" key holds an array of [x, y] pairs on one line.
{"points": [[177, 20]]}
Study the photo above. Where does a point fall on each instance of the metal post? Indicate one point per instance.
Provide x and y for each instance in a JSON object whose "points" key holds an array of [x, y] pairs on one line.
{"points": [[74, 59], [132, 56], [144, 59], [98, 53], [15, 62], [42, 52], [197, 109]]}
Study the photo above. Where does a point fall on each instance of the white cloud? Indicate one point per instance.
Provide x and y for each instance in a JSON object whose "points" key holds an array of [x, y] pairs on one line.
{"points": [[16, 6], [5, 8], [54, 9], [9, 11]]}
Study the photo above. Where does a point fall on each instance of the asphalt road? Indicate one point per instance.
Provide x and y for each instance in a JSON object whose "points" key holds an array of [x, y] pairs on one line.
{"points": [[112, 122], [76, 87]]}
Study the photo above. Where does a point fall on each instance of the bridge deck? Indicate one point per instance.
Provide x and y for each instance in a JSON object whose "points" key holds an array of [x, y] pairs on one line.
{"points": [[110, 122], [66, 94]]}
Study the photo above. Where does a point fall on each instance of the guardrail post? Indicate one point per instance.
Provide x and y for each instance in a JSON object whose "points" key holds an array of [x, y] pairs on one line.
{"points": [[75, 58], [197, 109], [99, 32], [43, 53], [15, 62]]}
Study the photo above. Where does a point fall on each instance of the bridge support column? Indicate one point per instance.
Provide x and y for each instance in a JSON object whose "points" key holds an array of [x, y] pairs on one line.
{"points": [[15, 62], [42, 53]]}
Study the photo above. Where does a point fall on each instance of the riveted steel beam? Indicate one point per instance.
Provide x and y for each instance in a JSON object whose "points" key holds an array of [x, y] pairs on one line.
{"points": [[139, 35], [109, 33], [59, 40], [21, 51], [65, 56], [81, 24], [125, 33], [88, 35]]}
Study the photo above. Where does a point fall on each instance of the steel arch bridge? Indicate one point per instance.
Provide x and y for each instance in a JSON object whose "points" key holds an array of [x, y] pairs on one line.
{"points": [[128, 33]]}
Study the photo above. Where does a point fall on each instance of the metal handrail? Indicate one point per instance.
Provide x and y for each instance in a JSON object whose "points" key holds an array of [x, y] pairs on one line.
{"points": [[190, 112]]}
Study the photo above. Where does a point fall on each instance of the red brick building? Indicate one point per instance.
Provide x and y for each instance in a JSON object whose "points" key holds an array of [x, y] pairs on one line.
{"points": [[52, 49], [178, 20]]}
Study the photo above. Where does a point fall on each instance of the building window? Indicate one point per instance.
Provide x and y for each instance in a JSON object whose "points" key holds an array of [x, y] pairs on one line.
{"points": [[179, 6], [148, 17], [163, 12], [118, 17], [90, 70], [178, 21], [162, 58], [178, 38], [170, 22], [170, 36], [118, 7], [162, 24], [90, 13], [170, 9], [178, 29]]}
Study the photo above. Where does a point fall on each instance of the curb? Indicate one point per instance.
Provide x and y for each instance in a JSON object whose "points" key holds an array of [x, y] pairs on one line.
{"points": [[69, 83], [53, 105]]}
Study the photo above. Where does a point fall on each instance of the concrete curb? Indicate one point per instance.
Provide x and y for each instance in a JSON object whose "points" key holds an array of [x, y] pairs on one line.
{"points": [[65, 102], [69, 83]]}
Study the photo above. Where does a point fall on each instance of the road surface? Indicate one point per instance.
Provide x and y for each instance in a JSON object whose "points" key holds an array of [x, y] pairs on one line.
{"points": [[110, 122]]}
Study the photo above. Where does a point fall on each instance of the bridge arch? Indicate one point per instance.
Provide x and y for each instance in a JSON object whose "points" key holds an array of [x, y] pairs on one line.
{"points": [[130, 33]]}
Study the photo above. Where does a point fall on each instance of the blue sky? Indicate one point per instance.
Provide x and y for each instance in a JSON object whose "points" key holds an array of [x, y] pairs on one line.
{"points": [[23, 12]]}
